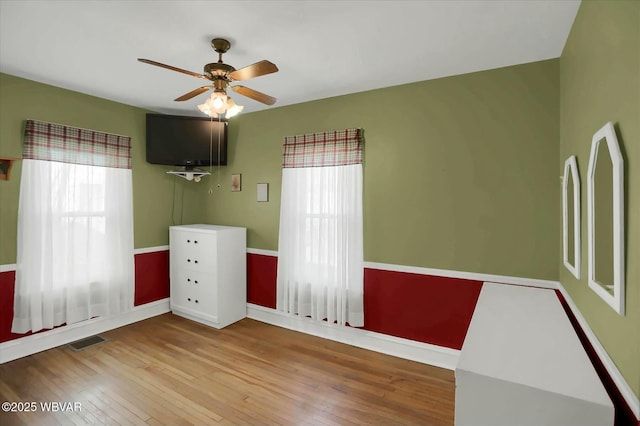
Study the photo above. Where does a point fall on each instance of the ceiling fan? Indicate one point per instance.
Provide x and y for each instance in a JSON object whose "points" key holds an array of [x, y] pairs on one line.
{"points": [[221, 75]]}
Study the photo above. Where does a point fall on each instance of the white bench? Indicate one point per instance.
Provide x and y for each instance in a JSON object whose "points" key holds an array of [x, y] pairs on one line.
{"points": [[522, 364]]}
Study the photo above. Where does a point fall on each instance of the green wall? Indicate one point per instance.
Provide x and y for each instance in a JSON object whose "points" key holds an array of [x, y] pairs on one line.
{"points": [[600, 82], [152, 188], [459, 172]]}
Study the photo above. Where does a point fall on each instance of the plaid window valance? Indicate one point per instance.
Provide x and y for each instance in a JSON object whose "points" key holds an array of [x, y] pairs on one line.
{"points": [[337, 148], [64, 144]]}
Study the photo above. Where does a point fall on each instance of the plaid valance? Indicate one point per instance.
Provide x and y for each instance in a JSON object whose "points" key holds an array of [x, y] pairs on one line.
{"points": [[337, 148], [56, 142]]}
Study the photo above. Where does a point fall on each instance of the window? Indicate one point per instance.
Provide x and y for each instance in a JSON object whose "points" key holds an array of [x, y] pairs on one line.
{"points": [[320, 264], [75, 230]]}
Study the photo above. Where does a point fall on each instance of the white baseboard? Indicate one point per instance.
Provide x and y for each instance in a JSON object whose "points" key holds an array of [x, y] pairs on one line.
{"points": [[12, 266], [475, 276], [38, 342], [262, 252], [616, 376], [145, 250], [402, 348], [8, 267]]}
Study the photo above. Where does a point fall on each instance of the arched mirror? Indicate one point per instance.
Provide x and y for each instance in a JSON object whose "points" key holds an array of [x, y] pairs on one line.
{"points": [[571, 217], [605, 218]]}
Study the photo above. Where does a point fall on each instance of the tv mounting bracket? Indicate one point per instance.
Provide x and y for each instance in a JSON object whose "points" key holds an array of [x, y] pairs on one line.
{"points": [[189, 173]]}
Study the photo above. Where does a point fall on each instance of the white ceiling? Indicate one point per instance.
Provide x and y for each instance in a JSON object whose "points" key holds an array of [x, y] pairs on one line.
{"points": [[322, 48]]}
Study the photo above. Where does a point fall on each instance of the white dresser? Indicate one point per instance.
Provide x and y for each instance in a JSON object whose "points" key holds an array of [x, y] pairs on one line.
{"points": [[208, 273]]}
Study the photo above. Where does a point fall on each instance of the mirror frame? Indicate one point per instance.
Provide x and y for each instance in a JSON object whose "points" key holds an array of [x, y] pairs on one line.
{"points": [[617, 299], [571, 169]]}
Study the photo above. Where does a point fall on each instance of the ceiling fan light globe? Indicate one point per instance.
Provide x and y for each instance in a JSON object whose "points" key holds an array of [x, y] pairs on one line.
{"points": [[207, 110], [215, 105], [219, 101], [218, 104], [233, 109]]}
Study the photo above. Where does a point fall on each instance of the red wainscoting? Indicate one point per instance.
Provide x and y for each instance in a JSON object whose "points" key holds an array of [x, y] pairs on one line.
{"points": [[7, 280], [423, 308], [152, 277], [261, 280], [151, 284]]}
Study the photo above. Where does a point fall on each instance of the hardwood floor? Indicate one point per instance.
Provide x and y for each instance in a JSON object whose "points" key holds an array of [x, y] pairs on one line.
{"points": [[171, 371]]}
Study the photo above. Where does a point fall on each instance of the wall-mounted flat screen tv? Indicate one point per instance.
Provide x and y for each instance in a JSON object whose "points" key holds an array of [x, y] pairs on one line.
{"points": [[176, 140]]}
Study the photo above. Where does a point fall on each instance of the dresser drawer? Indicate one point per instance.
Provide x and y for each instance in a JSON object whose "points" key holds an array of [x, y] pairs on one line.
{"points": [[193, 290], [189, 278], [193, 241], [193, 251]]}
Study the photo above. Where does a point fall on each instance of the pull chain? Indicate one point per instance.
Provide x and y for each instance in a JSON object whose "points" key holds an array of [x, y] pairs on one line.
{"points": [[211, 154], [219, 135]]}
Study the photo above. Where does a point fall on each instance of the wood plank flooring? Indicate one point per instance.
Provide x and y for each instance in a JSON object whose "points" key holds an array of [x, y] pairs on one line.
{"points": [[168, 370]]}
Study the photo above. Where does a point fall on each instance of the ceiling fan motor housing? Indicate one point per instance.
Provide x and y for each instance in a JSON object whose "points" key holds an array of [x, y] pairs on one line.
{"points": [[217, 69]]}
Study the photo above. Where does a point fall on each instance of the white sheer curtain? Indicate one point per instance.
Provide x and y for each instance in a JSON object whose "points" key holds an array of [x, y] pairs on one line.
{"points": [[320, 251], [75, 244]]}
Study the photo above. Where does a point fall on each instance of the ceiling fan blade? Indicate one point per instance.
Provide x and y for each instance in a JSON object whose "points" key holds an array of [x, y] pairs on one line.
{"points": [[254, 70], [254, 94], [193, 93], [169, 67]]}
